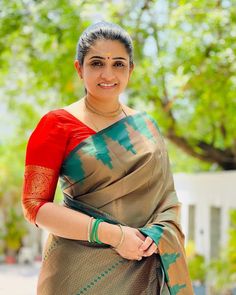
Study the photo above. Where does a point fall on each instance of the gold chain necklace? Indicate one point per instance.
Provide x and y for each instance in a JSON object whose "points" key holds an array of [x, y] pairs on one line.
{"points": [[115, 113], [92, 121]]}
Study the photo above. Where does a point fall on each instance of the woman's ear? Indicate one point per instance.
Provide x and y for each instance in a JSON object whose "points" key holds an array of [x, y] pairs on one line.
{"points": [[131, 69], [78, 68]]}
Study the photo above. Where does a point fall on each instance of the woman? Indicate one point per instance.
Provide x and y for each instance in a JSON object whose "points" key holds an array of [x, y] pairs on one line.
{"points": [[118, 231]]}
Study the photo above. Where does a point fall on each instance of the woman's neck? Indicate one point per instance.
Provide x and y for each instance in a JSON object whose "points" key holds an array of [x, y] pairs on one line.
{"points": [[104, 105]]}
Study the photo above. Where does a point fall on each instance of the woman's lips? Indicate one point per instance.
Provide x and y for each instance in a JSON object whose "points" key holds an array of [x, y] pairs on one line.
{"points": [[107, 86]]}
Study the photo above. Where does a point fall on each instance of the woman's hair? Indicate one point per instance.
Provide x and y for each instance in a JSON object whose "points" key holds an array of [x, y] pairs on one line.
{"points": [[103, 31]]}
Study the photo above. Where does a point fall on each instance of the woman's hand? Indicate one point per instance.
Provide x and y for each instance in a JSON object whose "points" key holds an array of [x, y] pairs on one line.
{"points": [[130, 247], [149, 247], [134, 246]]}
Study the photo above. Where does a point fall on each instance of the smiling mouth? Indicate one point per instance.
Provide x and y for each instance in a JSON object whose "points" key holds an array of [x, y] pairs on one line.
{"points": [[106, 85]]}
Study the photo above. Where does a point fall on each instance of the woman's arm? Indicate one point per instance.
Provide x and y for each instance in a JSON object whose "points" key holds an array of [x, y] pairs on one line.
{"points": [[71, 224]]}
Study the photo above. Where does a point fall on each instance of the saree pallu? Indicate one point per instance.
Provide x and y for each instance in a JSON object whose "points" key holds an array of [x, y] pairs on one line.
{"points": [[120, 174]]}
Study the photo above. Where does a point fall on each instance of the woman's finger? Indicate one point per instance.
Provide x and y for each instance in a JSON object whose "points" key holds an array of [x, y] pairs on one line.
{"points": [[152, 249], [140, 235], [146, 244]]}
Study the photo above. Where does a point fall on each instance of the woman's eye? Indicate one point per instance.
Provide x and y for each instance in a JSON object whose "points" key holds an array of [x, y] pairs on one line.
{"points": [[101, 64], [96, 64], [119, 64]]}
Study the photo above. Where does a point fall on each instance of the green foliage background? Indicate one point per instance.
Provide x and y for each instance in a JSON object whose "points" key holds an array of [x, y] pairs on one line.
{"points": [[223, 270], [185, 75], [185, 68]]}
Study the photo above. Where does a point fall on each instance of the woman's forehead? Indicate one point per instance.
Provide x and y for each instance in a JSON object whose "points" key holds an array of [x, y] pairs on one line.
{"points": [[107, 48]]}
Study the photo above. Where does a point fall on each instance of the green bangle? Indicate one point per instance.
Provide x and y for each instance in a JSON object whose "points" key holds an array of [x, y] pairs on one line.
{"points": [[94, 231]]}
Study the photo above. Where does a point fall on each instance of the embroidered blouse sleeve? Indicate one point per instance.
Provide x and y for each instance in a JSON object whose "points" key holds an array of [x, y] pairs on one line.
{"points": [[44, 155]]}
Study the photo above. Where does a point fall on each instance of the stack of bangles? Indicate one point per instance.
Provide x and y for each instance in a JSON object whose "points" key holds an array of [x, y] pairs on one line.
{"points": [[93, 232]]}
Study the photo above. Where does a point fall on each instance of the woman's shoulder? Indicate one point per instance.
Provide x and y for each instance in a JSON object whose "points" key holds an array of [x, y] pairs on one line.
{"points": [[57, 117], [130, 111], [50, 122], [55, 114]]}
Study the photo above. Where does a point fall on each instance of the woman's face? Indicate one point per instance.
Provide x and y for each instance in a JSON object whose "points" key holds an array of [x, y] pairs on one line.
{"points": [[106, 69]]}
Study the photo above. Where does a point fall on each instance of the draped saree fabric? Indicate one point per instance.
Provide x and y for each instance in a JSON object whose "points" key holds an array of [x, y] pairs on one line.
{"points": [[120, 174]]}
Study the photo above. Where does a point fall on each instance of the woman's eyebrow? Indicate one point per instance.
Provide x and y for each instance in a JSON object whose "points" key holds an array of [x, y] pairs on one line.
{"points": [[100, 57]]}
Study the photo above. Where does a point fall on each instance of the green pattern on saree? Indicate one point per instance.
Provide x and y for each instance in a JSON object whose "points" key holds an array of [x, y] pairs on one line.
{"points": [[115, 134], [168, 259], [155, 232], [176, 288], [101, 276], [73, 171], [139, 124], [49, 250], [98, 148]]}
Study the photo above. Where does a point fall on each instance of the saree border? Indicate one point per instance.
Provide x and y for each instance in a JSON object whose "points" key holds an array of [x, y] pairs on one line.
{"points": [[100, 132]]}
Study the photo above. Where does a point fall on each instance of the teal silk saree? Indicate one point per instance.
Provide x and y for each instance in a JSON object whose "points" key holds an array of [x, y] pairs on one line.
{"points": [[120, 174]]}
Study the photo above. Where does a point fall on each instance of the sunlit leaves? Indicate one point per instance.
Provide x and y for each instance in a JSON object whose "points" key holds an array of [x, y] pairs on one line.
{"points": [[184, 53]]}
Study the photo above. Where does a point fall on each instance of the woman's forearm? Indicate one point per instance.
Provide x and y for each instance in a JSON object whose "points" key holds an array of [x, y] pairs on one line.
{"points": [[70, 224]]}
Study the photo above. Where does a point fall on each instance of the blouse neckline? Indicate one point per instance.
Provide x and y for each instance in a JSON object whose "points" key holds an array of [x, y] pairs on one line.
{"points": [[105, 128]]}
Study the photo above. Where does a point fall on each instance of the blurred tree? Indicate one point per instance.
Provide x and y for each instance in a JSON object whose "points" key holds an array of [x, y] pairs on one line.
{"points": [[184, 55], [223, 270], [196, 264], [12, 223], [186, 72], [15, 230]]}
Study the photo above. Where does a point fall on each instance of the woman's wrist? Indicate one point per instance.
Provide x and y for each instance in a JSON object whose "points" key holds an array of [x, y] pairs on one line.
{"points": [[122, 237], [109, 234]]}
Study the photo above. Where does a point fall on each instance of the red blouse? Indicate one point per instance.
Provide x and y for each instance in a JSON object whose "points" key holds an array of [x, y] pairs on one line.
{"points": [[55, 136]]}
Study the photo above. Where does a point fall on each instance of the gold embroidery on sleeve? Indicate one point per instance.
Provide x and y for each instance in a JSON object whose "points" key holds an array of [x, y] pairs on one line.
{"points": [[39, 188]]}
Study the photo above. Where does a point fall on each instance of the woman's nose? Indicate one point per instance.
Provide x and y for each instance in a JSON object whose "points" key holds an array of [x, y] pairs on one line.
{"points": [[107, 73]]}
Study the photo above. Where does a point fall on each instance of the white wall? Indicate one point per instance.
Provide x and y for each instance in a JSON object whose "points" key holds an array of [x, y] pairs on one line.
{"points": [[204, 190]]}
